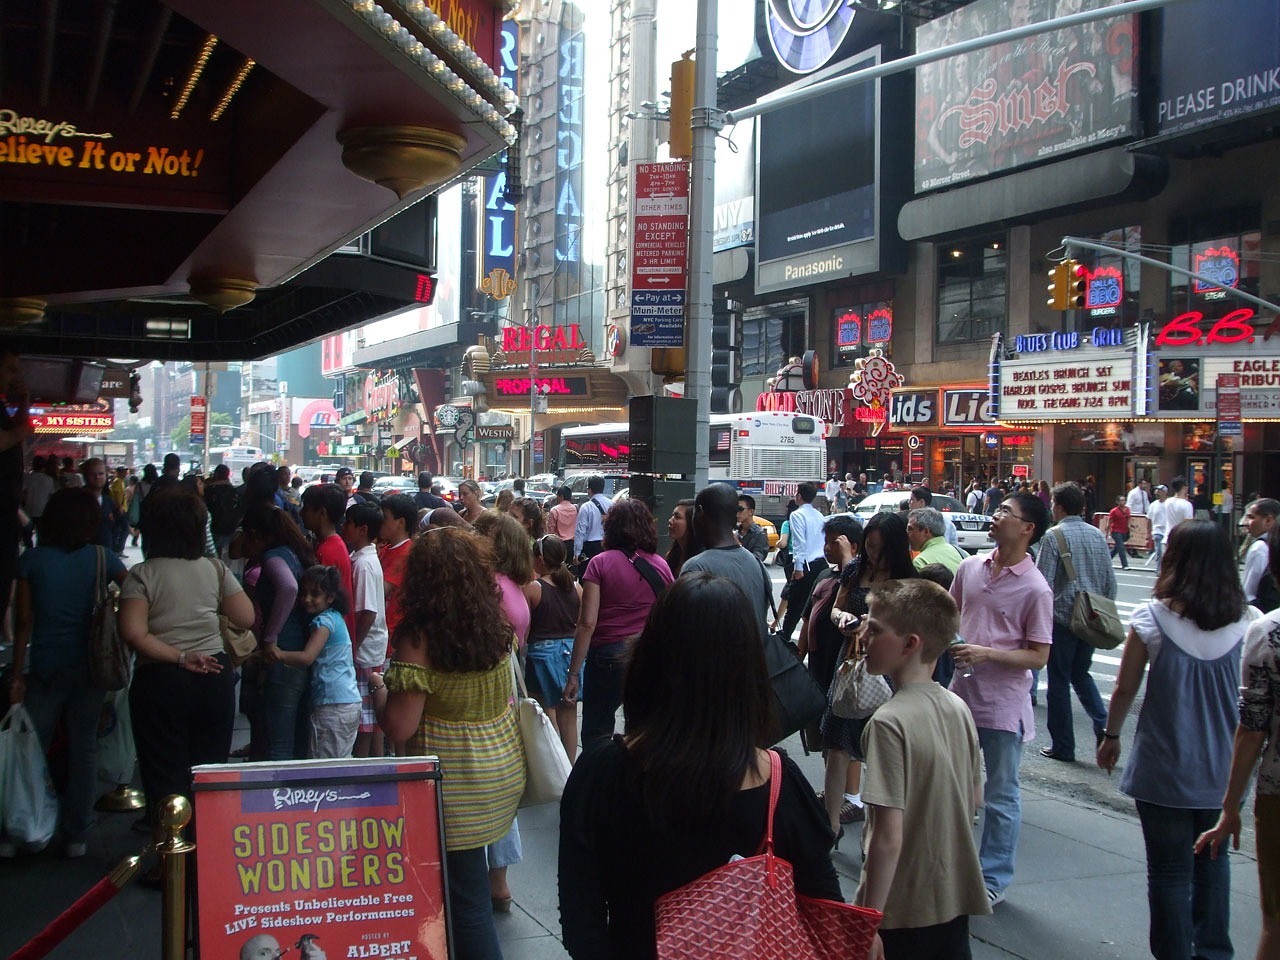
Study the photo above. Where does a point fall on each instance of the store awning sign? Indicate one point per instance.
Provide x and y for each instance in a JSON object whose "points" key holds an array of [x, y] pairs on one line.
{"points": [[1096, 386]]}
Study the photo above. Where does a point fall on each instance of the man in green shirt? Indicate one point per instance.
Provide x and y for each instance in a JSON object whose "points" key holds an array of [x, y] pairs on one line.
{"points": [[926, 530]]}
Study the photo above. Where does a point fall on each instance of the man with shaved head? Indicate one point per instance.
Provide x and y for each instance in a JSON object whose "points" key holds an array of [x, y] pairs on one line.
{"points": [[715, 515]]}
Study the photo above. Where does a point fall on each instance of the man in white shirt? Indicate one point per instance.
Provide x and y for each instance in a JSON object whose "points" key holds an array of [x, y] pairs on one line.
{"points": [[1177, 508], [832, 490], [1259, 522], [368, 589], [1158, 514], [588, 534], [806, 544], [1138, 500]]}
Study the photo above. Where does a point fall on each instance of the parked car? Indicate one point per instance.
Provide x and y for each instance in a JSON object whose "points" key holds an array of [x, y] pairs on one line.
{"points": [[973, 530], [386, 486]]}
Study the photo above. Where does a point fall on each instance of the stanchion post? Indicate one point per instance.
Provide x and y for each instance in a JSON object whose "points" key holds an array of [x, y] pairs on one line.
{"points": [[174, 815]]}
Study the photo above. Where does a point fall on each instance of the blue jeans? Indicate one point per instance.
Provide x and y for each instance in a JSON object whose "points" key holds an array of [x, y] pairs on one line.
{"points": [[1159, 541], [470, 910], [1069, 662], [505, 852], [602, 676], [284, 721], [67, 695], [1189, 895], [1002, 817], [1118, 549]]}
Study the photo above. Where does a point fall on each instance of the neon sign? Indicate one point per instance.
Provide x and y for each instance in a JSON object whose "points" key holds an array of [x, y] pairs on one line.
{"points": [[551, 386], [872, 383], [1104, 289], [520, 340], [848, 330], [880, 325], [425, 289], [1184, 330], [1221, 264]]}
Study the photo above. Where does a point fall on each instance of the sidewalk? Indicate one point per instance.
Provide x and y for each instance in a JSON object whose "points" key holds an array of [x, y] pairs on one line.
{"points": [[1080, 889]]}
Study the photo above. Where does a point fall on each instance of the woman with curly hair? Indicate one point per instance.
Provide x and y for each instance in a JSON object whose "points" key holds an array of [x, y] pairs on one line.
{"points": [[448, 692], [616, 597]]}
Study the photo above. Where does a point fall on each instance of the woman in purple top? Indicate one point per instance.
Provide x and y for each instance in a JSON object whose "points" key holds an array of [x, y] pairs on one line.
{"points": [[616, 597]]}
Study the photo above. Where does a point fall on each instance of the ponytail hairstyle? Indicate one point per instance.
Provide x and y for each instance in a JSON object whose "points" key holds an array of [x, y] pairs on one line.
{"points": [[324, 580], [551, 549]]}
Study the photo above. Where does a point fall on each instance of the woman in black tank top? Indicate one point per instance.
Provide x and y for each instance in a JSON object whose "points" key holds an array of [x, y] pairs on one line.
{"points": [[554, 598]]}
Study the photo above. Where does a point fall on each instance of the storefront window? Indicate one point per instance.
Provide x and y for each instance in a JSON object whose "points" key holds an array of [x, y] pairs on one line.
{"points": [[770, 335], [858, 328], [1114, 282], [973, 278], [1227, 261]]}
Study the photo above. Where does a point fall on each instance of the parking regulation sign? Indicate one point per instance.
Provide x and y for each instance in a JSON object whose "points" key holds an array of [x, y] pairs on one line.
{"points": [[660, 254]]}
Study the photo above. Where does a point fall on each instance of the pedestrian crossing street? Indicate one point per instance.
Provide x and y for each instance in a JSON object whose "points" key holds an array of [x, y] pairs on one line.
{"points": [[1134, 590]]}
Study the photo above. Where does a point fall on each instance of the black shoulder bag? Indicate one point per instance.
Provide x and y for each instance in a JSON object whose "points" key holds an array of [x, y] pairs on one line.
{"points": [[798, 700]]}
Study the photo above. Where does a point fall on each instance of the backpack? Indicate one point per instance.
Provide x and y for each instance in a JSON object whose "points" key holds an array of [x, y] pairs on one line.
{"points": [[1268, 597]]}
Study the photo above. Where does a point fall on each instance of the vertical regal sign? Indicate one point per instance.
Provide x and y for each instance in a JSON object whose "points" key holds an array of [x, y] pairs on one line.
{"points": [[569, 155], [496, 248], [342, 855], [659, 254]]}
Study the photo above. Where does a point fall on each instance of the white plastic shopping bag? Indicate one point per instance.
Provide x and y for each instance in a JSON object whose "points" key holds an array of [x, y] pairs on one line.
{"points": [[30, 803], [116, 753]]}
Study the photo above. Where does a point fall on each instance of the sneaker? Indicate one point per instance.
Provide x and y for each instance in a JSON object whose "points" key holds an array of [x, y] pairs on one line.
{"points": [[76, 850], [995, 899], [851, 812]]}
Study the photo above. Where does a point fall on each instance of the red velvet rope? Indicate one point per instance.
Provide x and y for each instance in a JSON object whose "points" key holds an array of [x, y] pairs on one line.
{"points": [[42, 943]]}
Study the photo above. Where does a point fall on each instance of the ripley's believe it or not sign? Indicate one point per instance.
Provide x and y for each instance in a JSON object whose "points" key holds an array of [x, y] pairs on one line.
{"points": [[340, 854]]}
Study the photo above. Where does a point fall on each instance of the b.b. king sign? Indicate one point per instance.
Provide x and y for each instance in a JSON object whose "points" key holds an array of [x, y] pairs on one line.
{"points": [[660, 254]]}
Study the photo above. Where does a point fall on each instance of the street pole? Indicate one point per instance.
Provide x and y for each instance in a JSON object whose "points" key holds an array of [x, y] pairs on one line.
{"points": [[706, 121], [208, 420]]}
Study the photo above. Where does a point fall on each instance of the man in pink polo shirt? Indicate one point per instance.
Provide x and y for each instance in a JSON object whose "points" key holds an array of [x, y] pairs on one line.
{"points": [[1006, 621]]}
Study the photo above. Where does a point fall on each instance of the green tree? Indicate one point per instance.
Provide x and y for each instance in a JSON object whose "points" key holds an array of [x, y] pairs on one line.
{"points": [[181, 434]]}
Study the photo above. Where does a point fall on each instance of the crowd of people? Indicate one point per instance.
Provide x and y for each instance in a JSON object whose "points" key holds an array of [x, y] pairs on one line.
{"points": [[394, 624]]}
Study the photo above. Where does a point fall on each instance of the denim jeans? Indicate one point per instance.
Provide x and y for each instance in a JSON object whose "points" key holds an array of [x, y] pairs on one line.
{"points": [[1069, 662], [602, 690], [470, 910], [1159, 553], [284, 722], [68, 695], [1189, 895], [506, 852], [1002, 814], [1118, 549]]}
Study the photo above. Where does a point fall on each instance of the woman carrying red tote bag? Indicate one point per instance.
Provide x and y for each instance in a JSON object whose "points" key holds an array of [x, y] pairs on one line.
{"points": [[749, 909]]}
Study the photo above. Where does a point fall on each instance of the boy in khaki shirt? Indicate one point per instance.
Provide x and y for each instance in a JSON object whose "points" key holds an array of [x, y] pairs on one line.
{"points": [[922, 784]]}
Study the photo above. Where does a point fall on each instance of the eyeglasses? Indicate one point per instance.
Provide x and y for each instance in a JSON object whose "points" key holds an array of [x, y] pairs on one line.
{"points": [[742, 509], [1006, 512]]}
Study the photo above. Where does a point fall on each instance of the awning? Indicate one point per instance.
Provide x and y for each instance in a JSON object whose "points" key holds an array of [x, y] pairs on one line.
{"points": [[1103, 177]]}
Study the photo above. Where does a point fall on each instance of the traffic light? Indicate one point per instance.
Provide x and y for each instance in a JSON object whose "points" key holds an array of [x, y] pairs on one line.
{"points": [[1058, 280], [135, 392], [1076, 285], [726, 356], [680, 141]]}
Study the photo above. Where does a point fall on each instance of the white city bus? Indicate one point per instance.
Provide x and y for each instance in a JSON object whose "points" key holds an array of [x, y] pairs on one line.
{"points": [[765, 453]]}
